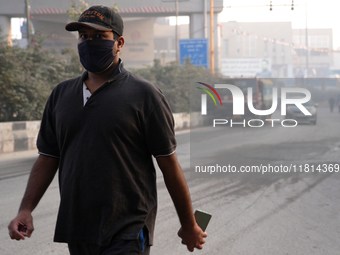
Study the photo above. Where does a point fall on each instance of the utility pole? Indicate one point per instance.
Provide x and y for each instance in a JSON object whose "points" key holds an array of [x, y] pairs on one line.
{"points": [[28, 22], [306, 35], [177, 51], [212, 63], [176, 29]]}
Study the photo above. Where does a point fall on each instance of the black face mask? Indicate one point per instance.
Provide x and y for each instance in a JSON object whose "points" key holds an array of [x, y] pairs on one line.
{"points": [[96, 55]]}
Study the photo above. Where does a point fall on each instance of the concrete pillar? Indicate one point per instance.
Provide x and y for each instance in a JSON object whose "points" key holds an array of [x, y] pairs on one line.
{"points": [[196, 25], [197, 31], [5, 25]]}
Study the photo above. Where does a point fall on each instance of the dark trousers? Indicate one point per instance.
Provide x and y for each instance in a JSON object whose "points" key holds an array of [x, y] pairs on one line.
{"points": [[116, 247], [138, 246]]}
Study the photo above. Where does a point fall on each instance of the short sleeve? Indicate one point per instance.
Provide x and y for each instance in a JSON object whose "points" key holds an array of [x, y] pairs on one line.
{"points": [[159, 130], [47, 143]]}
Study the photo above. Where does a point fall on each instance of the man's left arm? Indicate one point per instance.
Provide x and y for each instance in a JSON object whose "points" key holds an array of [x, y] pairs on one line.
{"points": [[190, 232]]}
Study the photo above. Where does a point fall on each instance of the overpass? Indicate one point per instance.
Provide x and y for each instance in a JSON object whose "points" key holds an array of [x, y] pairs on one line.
{"points": [[50, 17]]}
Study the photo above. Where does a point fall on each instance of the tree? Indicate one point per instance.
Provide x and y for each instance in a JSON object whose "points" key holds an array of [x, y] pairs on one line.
{"points": [[77, 9], [176, 81], [27, 77]]}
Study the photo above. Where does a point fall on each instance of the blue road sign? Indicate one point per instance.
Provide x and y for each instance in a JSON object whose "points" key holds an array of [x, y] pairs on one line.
{"points": [[196, 50]]}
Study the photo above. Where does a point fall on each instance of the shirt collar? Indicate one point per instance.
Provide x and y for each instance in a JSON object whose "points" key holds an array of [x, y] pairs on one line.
{"points": [[118, 70]]}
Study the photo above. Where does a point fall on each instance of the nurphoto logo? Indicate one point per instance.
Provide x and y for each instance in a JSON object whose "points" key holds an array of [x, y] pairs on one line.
{"points": [[259, 113]]}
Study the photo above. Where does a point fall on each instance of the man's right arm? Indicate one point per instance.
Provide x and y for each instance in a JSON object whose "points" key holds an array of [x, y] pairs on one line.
{"points": [[41, 176]]}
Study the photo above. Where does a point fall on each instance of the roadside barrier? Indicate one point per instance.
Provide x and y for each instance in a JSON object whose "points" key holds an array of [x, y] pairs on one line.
{"points": [[22, 135], [18, 136]]}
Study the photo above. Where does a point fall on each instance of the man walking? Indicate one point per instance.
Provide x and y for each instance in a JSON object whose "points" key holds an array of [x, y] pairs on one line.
{"points": [[100, 130]]}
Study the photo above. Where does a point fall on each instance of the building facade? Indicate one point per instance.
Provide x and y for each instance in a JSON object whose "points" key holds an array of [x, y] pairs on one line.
{"points": [[319, 58], [250, 48], [247, 47]]}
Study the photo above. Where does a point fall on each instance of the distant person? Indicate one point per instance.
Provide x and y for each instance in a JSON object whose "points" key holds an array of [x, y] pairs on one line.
{"points": [[265, 71], [299, 73], [331, 102]]}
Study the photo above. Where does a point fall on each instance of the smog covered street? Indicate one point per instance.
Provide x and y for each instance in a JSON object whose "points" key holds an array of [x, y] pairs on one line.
{"points": [[272, 213]]}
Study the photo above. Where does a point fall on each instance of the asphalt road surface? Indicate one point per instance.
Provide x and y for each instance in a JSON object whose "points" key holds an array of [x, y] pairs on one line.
{"points": [[277, 213]]}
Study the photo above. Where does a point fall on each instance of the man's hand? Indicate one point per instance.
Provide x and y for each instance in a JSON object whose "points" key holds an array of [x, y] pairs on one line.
{"points": [[191, 233], [193, 237], [21, 226], [40, 178]]}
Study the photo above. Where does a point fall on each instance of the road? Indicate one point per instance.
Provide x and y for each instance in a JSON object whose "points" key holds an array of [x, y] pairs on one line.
{"points": [[280, 213]]}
